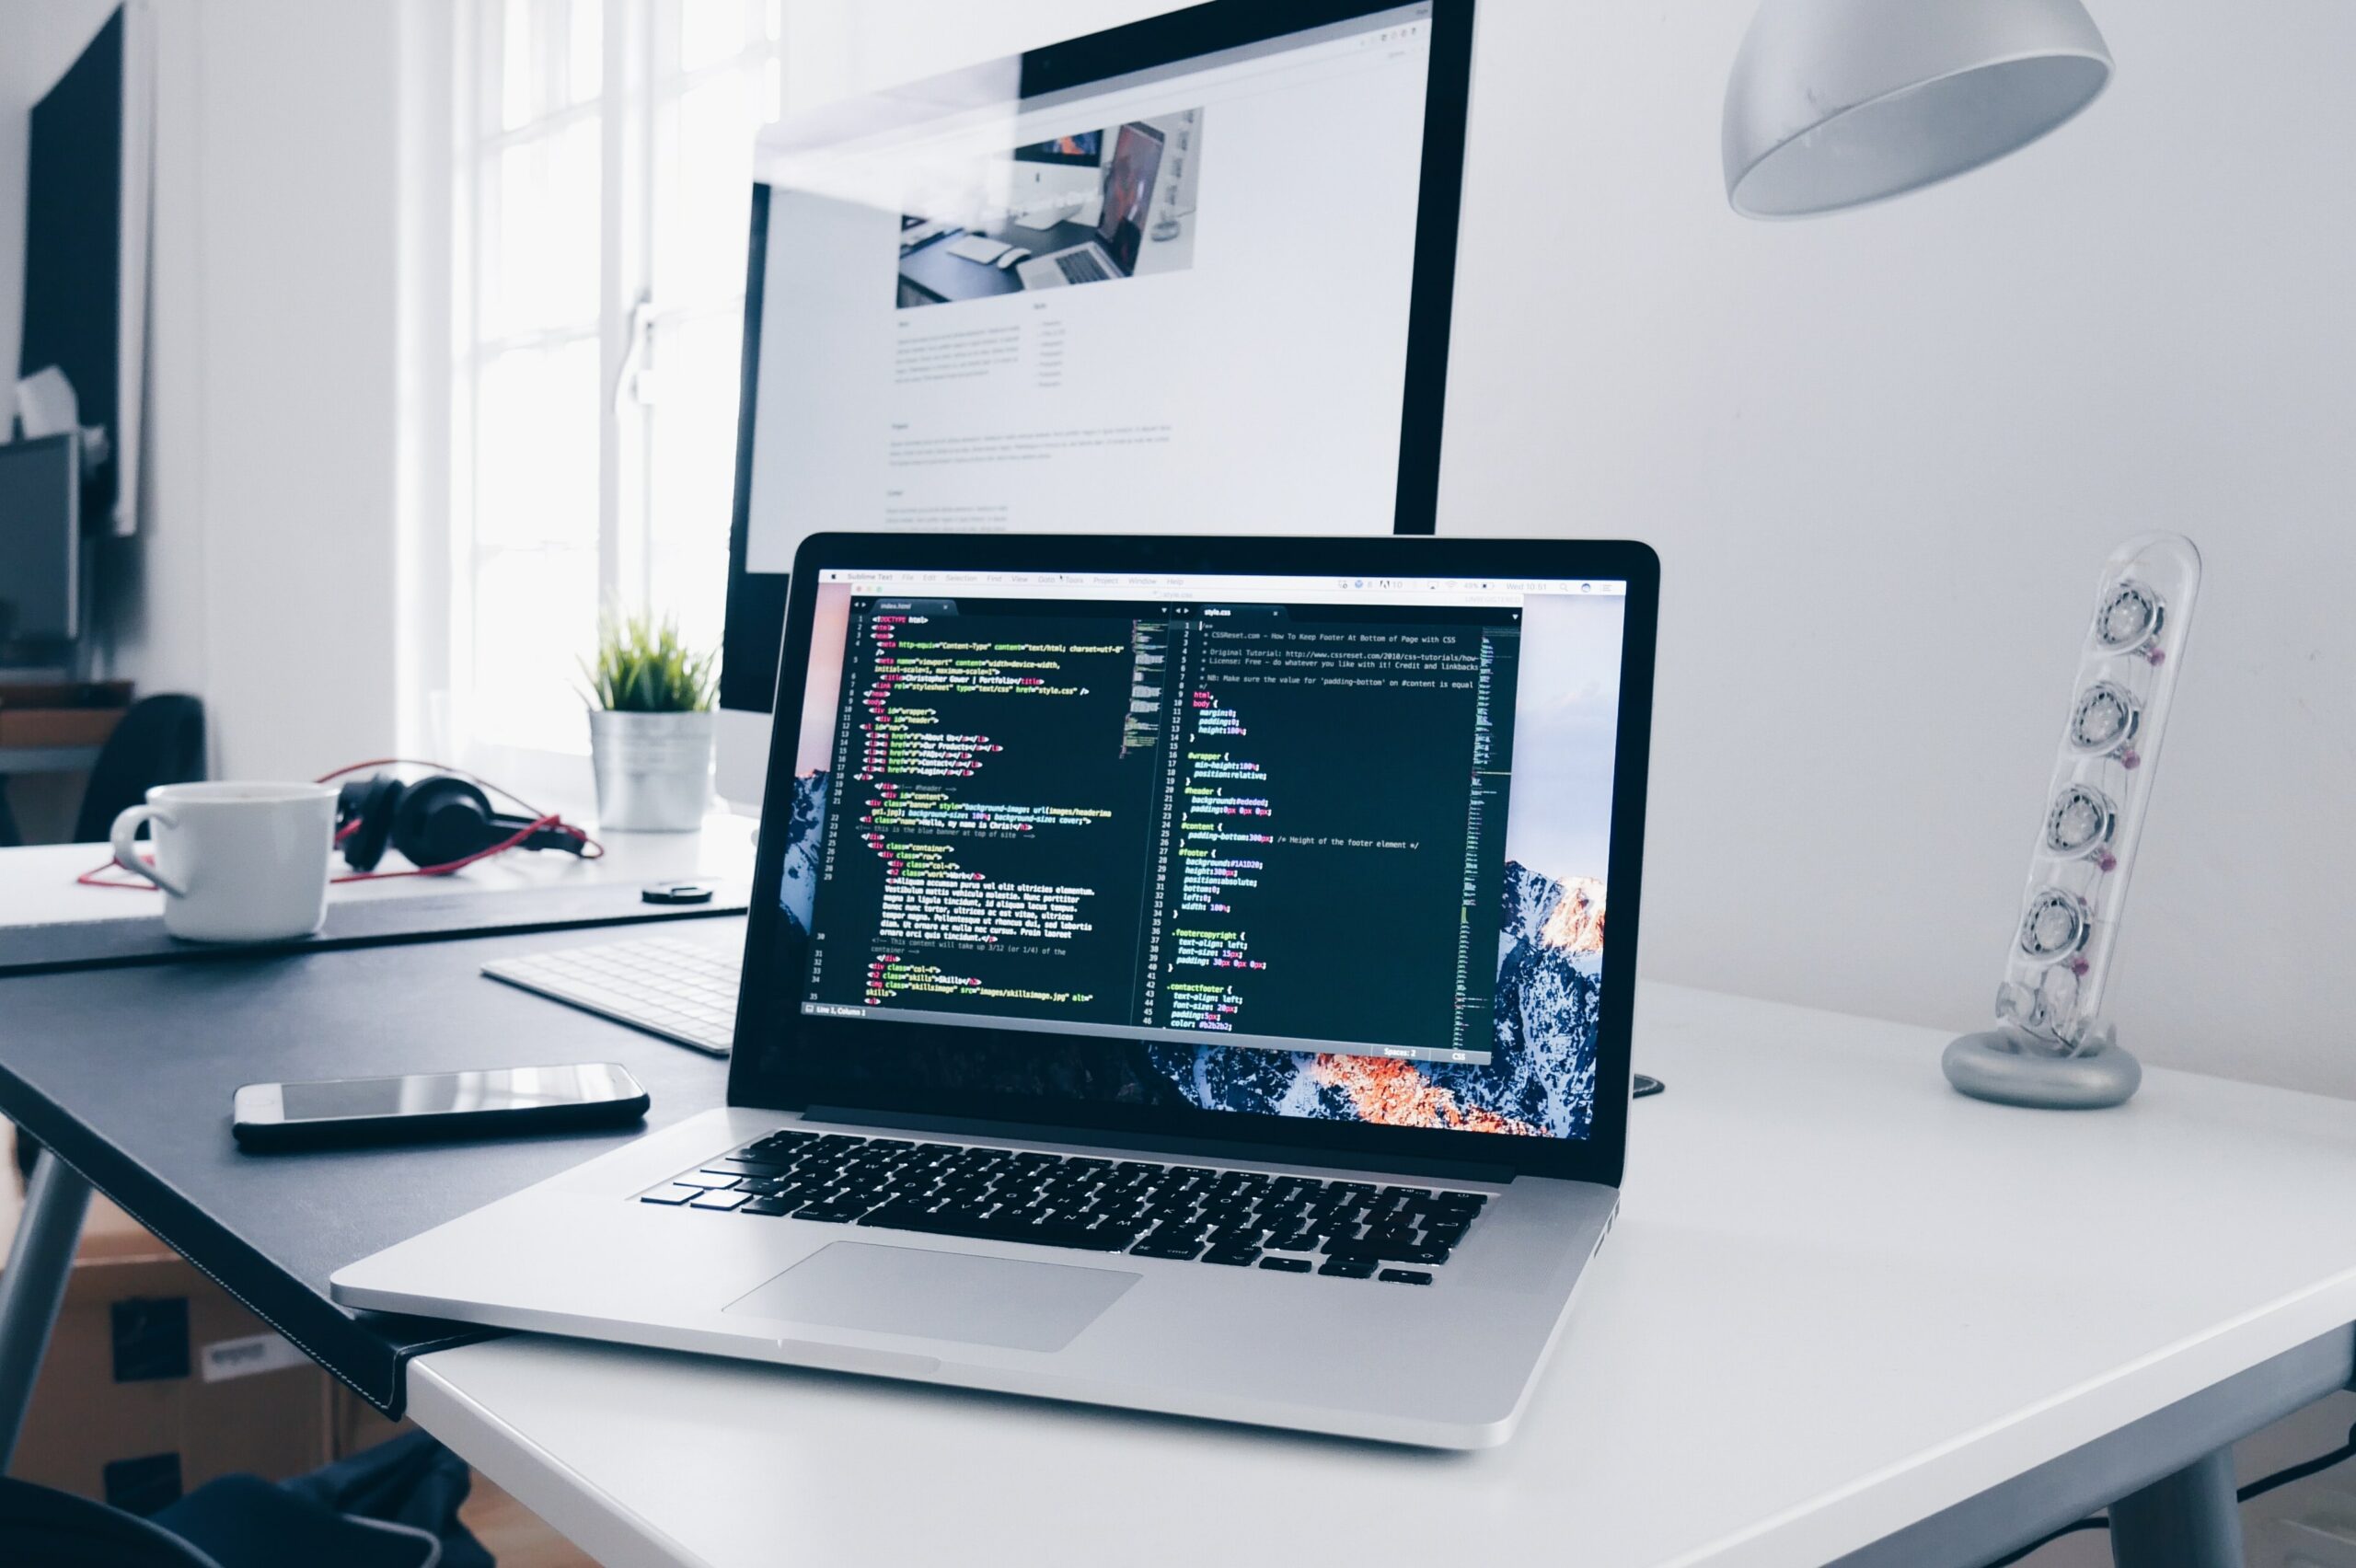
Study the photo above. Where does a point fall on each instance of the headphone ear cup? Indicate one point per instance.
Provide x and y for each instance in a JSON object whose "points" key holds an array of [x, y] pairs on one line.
{"points": [[444, 819], [371, 803]]}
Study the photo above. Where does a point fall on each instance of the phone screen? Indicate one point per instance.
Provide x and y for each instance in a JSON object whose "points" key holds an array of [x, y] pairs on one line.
{"points": [[431, 1094]]}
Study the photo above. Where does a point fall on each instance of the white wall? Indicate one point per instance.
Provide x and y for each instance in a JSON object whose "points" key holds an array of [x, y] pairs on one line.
{"points": [[263, 574], [297, 320], [1884, 455]]}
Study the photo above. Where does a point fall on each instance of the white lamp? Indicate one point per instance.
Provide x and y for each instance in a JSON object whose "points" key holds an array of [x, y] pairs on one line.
{"points": [[1835, 103]]}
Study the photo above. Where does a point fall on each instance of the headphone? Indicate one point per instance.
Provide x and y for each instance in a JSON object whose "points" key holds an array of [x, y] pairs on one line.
{"points": [[436, 822]]}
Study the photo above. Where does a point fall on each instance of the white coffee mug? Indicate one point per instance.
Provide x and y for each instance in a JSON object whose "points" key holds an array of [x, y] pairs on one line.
{"points": [[238, 862]]}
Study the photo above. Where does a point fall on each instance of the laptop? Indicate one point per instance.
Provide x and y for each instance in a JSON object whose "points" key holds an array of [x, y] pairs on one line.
{"points": [[1120, 227], [1176, 965]]}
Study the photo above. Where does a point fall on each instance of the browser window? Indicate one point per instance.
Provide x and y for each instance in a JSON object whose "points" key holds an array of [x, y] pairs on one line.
{"points": [[1173, 300]]}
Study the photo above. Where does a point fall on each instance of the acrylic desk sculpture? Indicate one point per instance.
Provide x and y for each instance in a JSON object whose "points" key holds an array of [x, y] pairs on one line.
{"points": [[2051, 1047]]}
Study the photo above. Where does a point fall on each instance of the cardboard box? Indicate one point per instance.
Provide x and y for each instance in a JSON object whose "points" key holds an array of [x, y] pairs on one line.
{"points": [[157, 1380]]}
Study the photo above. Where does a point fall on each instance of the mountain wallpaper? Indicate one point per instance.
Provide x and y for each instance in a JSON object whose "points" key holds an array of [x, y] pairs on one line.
{"points": [[799, 892]]}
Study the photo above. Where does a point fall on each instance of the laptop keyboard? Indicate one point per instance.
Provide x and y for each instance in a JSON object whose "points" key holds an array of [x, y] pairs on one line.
{"points": [[678, 989], [1080, 267], [1234, 1218]]}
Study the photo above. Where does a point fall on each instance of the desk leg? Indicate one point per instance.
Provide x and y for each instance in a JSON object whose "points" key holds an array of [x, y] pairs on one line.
{"points": [[2190, 1519], [38, 1262]]}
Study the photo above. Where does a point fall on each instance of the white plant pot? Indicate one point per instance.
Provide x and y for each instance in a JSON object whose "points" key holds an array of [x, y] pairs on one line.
{"points": [[653, 770]]}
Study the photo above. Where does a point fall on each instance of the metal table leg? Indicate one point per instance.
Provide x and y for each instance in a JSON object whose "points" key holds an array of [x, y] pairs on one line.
{"points": [[38, 1261], [2190, 1519]]}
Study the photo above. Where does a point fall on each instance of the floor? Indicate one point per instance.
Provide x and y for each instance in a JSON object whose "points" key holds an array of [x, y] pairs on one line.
{"points": [[513, 1534]]}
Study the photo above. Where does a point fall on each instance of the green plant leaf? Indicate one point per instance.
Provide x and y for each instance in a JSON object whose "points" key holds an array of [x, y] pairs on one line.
{"points": [[643, 666]]}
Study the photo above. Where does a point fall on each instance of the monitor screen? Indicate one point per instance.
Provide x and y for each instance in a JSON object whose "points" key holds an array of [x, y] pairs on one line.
{"points": [[1263, 355], [1302, 846], [40, 519]]}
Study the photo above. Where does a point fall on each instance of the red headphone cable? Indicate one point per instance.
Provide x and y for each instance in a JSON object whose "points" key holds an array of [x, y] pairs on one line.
{"points": [[591, 848]]}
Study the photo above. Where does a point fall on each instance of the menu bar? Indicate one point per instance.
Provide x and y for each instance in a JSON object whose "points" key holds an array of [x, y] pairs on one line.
{"points": [[1302, 589]]}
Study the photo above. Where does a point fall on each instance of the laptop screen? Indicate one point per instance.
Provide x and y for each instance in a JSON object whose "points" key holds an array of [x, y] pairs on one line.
{"points": [[1128, 187], [1304, 847]]}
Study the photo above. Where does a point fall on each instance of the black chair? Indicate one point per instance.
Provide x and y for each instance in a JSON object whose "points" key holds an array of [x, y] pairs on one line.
{"points": [[160, 741], [59, 1530]]}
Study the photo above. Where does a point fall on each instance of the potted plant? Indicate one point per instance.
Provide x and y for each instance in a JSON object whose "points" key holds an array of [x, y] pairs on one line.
{"points": [[650, 726]]}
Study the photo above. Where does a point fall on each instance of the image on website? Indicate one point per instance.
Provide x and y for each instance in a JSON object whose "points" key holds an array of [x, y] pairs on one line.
{"points": [[1086, 207], [1228, 861]]}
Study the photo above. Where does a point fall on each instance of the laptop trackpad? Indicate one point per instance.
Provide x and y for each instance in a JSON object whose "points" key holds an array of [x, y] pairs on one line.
{"points": [[946, 1296]]}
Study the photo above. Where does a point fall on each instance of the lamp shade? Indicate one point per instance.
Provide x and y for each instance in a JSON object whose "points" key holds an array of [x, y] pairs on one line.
{"points": [[1835, 103]]}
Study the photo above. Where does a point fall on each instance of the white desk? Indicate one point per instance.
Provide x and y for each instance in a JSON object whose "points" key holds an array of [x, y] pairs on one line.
{"points": [[36, 885], [1840, 1301]]}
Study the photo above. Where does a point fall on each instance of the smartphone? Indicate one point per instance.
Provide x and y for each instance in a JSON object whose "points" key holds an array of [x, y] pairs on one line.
{"points": [[487, 1104]]}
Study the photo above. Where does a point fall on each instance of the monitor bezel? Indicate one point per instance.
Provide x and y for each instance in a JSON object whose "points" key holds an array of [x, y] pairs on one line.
{"points": [[783, 1056], [757, 600]]}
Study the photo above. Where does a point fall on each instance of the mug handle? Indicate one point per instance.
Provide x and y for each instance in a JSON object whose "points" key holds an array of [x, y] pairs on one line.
{"points": [[123, 836]]}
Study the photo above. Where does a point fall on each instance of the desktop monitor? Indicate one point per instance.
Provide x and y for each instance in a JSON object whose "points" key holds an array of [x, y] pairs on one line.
{"points": [[40, 520], [1279, 187]]}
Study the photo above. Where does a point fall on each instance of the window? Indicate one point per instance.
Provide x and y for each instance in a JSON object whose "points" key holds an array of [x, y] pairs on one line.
{"points": [[605, 171]]}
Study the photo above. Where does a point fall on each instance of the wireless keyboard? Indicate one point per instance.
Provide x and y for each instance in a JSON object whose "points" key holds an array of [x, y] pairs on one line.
{"points": [[681, 990]]}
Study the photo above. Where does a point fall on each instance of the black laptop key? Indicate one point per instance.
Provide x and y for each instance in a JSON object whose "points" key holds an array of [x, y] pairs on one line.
{"points": [[1286, 1266], [1178, 1249], [1405, 1276], [1233, 1257], [771, 1206], [1350, 1268], [1390, 1253], [834, 1212]]}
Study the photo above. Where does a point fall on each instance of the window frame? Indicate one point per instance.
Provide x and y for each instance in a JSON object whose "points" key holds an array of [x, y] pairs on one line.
{"points": [[640, 89]]}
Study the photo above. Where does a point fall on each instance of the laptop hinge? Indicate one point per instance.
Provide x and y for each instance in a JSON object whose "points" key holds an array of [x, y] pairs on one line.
{"points": [[1158, 1143]]}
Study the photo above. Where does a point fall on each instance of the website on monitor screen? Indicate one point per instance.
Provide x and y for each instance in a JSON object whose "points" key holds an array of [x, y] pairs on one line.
{"points": [[1300, 846], [1172, 301]]}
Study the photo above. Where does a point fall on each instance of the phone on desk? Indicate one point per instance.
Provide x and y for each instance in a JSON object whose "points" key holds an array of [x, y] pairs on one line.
{"points": [[486, 1104]]}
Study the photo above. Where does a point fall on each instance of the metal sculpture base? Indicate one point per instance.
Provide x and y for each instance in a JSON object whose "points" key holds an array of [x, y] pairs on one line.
{"points": [[1993, 1066]]}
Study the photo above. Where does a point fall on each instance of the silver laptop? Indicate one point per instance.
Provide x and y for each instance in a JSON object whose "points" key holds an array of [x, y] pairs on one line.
{"points": [[1176, 965], [1120, 227]]}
